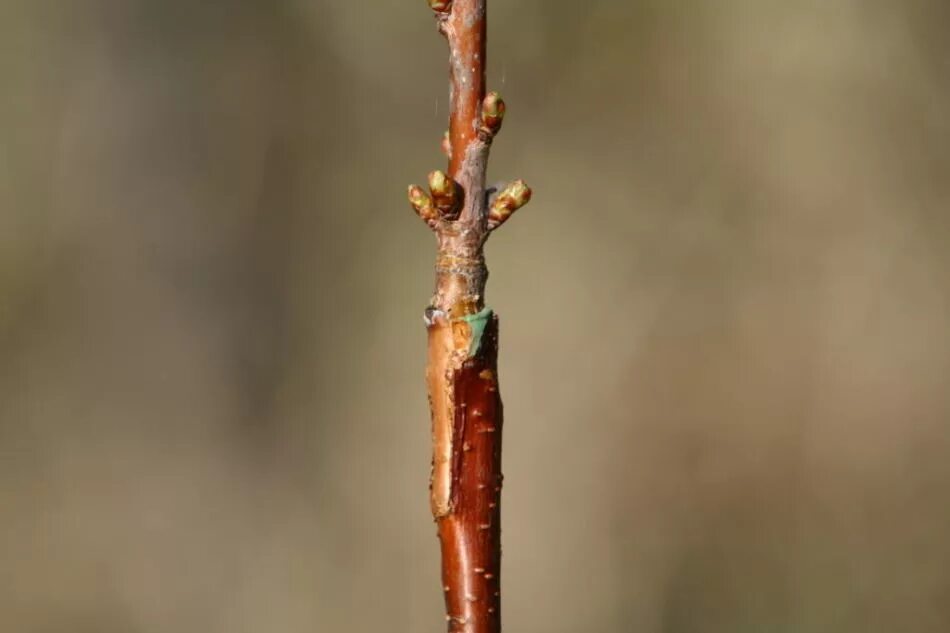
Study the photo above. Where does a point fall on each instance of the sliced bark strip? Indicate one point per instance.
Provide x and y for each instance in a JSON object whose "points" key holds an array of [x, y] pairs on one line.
{"points": [[438, 379], [470, 533]]}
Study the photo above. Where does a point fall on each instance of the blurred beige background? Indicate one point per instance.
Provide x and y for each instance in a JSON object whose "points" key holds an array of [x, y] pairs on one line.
{"points": [[725, 336]]}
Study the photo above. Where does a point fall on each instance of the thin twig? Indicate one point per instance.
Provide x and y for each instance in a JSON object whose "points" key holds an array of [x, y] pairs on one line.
{"points": [[463, 334]]}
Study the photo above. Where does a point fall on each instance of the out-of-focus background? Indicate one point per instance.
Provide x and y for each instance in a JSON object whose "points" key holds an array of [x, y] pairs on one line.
{"points": [[725, 316]]}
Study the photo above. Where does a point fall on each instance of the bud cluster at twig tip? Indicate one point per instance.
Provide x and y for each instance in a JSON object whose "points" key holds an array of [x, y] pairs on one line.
{"points": [[445, 194], [493, 113], [510, 199], [422, 204], [441, 6]]}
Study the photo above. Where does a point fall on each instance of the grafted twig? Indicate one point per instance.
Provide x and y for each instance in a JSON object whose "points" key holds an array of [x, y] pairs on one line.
{"points": [[463, 334]]}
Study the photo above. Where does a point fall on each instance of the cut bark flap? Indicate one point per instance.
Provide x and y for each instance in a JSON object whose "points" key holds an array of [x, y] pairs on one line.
{"points": [[453, 344]]}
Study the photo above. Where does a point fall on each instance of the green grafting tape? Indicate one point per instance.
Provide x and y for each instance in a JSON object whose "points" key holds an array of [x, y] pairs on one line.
{"points": [[478, 322]]}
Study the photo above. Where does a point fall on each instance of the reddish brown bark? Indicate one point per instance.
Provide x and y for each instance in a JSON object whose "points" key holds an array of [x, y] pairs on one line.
{"points": [[466, 30], [462, 372], [470, 534]]}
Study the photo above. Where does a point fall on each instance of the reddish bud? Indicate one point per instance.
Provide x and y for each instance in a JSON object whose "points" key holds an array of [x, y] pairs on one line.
{"points": [[422, 204], [442, 6], [447, 144], [445, 193], [493, 113], [510, 199]]}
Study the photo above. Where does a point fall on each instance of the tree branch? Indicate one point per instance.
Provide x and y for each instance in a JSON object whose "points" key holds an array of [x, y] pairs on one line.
{"points": [[461, 372]]}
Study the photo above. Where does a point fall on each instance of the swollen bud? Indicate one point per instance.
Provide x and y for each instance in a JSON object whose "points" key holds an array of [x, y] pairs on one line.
{"points": [[445, 194], [510, 199], [493, 112], [447, 144], [441, 6], [422, 204]]}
